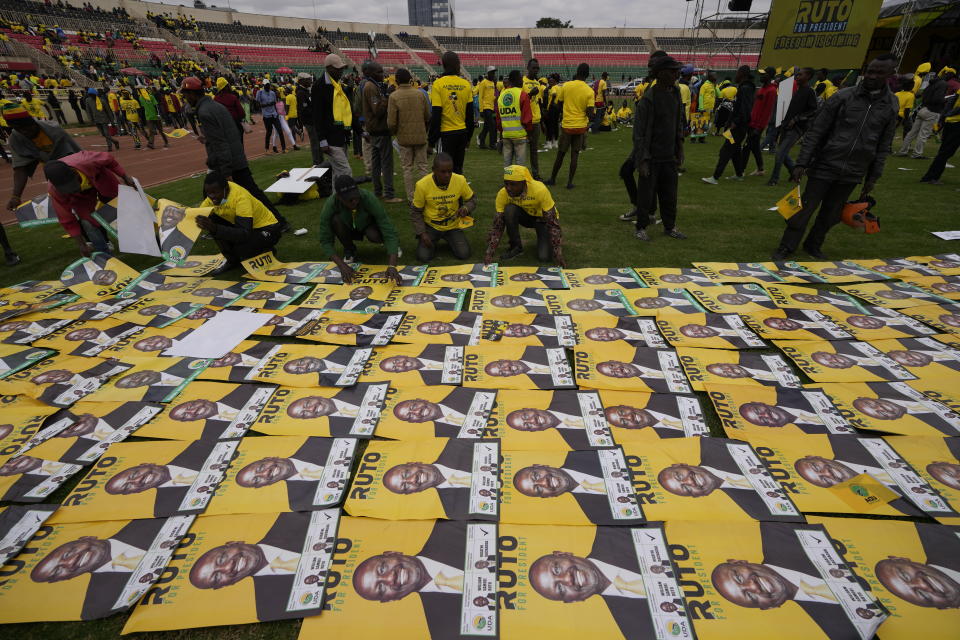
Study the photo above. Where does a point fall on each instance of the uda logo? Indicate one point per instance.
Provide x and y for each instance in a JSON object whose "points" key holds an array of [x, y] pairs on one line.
{"points": [[508, 100]]}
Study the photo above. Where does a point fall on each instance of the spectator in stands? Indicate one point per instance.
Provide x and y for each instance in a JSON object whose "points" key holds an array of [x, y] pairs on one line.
{"points": [[305, 113], [533, 88], [267, 99], [408, 116], [848, 142], [98, 110], [576, 100], [525, 202], [374, 100], [487, 92], [442, 207], [239, 223], [74, 101], [514, 119], [152, 124], [230, 100], [738, 126], [800, 112], [332, 115], [452, 117], [763, 105]]}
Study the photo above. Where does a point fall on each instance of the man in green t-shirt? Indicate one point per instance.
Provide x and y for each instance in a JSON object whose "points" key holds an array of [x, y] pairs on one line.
{"points": [[152, 125]]}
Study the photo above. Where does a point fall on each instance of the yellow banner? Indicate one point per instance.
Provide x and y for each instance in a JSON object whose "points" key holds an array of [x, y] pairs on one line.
{"points": [[307, 365], [267, 268], [424, 299], [349, 328], [151, 379], [583, 300], [843, 361], [423, 326], [551, 421], [624, 332], [542, 277], [708, 330], [654, 302], [638, 417], [622, 278], [734, 298], [471, 276], [507, 299], [704, 366], [98, 276], [541, 329], [674, 277], [62, 380], [415, 365], [209, 411]]}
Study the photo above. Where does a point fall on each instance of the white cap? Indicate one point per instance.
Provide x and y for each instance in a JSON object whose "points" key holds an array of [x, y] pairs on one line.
{"points": [[491, 68], [335, 61]]}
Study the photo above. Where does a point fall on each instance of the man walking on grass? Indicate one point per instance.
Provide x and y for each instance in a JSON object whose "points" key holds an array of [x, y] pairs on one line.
{"points": [[576, 104], [732, 149]]}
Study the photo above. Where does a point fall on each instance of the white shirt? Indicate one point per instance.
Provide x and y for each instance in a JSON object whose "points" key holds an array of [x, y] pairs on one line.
{"points": [[118, 549], [611, 573], [800, 579], [435, 568], [878, 473], [581, 478], [730, 480], [448, 473], [273, 553], [179, 477]]}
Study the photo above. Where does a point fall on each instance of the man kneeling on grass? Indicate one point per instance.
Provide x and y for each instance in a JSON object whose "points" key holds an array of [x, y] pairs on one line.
{"points": [[525, 202]]}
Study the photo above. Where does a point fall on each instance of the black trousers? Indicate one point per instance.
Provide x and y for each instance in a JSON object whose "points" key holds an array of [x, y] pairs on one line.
{"points": [[348, 236], [731, 151], [239, 243], [949, 146], [752, 146], [489, 132], [515, 217], [456, 238], [269, 124], [244, 178], [455, 143], [627, 170], [660, 186], [827, 196]]}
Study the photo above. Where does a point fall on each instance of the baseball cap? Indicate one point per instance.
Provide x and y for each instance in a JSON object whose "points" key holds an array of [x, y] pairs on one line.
{"points": [[303, 76], [665, 62], [335, 61], [491, 68], [62, 176], [345, 186], [221, 83]]}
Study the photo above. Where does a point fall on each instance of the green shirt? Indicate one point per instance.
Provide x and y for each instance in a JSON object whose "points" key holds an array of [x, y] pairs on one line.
{"points": [[149, 107], [370, 211]]}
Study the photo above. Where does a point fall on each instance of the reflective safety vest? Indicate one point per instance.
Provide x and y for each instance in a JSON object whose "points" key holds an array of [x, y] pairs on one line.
{"points": [[508, 105]]}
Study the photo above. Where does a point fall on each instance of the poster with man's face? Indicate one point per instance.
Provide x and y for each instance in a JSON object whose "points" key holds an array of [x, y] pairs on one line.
{"points": [[149, 479], [467, 276], [937, 461], [410, 275], [425, 479], [359, 298], [683, 278], [151, 281], [569, 487], [20, 422], [638, 417], [626, 332], [31, 290], [734, 298], [178, 228], [147, 343], [506, 366], [516, 300], [424, 413], [209, 411], [192, 266], [62, 380], [591, 278], [923, 357], [76, 309], [902, 268], [88, 570], [755, 577], [839, 272], [239, 569], [98, 276], [18, 523], [941, 286], [795, 324], [708, 330], [879, 323], [156, 310], [584, 300], [892, 407], [288, 322], [88, 337], [604, 366], [25, 331], [704, 366], [943, 317], [352, 412], [746, 410], [152, 379], [551, 421], [423, 299], [844, 361], [308, 365], [947, 264], [415, 365], [790, 271], [619, 580], [207, 291], [459, 328], [266, 268], [349, 328], [271, 296], [541, 277], [942, 390], [534, 329], [654, 302], [788, 296], [894, 295], [730, 272], [435, 579], [237, 364]]}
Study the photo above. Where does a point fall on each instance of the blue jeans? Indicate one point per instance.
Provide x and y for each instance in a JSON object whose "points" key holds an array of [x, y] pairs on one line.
{"points": [[789, 139]]}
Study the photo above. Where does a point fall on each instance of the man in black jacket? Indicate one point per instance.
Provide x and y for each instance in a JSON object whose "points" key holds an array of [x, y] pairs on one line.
{"points": [[305, 113], [848, 143], [332, 115], [739, 126], [803, 106]]}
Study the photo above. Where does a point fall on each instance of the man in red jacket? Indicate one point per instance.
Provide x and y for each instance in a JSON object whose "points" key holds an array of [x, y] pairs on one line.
{"points": [[229, 99], [764, 102]]}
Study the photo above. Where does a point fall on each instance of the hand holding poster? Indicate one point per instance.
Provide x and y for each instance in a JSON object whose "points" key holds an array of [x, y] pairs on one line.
{"points": [[178, 228]]}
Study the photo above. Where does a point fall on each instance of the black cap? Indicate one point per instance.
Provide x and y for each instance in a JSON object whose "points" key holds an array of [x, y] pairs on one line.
{"points": [[62, 176], [665, 62], [345, 186]]}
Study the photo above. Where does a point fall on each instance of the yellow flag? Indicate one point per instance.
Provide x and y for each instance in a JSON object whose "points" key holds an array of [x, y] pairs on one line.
{"points": [[790, 205], [863, 493], [178, 133], [728, 136]]}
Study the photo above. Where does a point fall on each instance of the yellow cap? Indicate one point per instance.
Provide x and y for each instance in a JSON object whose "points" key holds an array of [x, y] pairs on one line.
{"points": [[221, 83], [517, 173]]}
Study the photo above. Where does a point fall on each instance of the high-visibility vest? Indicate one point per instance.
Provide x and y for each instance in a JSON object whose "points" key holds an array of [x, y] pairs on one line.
{"points": [[508, 105]]}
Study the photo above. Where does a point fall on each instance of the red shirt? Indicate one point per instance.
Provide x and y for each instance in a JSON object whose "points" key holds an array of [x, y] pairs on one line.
{"points": [[763, 102], [232, 103]]}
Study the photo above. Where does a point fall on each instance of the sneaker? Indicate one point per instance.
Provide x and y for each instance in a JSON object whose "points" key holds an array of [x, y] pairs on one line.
{"points": [[275, 150], [758, 172], [673, 233], [628, 216], [641, 234], [781, 254], [392, 200], [710, 180], [226, 266], [570, 185], [550, 182], [737, 178], [12, 259], [511, 252], [815, 253]]}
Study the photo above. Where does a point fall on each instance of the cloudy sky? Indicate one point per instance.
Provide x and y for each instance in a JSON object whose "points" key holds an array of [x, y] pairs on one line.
{"points": [[495, 13]]}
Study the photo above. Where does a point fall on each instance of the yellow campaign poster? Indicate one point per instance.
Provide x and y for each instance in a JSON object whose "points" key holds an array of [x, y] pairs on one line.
{"points": [[438, 327], [747, 410], [308, 365], [495, 366], [415, 365], [192, 266], [359, 298], [923, 357], [795, 324], [447, 583], [425, 299], [728, 272], [879, 323], [18, 523], [937, 461], [353, 411], [790, 204], [708, 330], [87, 337], [583, 300], [673, 277], [427, 412], [27, 478], [146, 343], [98, 276], [734, 298], [620, 278], [704, 366], [892, 557], [943, 286], [569, 487], [512, 299], [209, 411], [278, 571], [892, 407], [30, 291], [237, 365], [902, 268], [410, 275], [706, 479], [150, 311], [19, 423], [266, 268], [424, 479], [840, 272], [89, 570], [944, 317], [654, 302], [350, 328], [626, 332], [790, 271], [152, 379], [72, 309], [287, 323], [551, 421], [540, 277], [788, 296], [609, 366], [208, 291], [755, 579], [947, 264], [638, 417], [284, 473], [149, 480], [943, 390], [271, 296], [471, 276], [534, 329], [843, 361], [894, 295], [178, 229], [618, 580], [62, 380]]}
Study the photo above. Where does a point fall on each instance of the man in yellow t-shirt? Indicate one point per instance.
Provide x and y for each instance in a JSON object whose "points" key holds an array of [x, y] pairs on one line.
{"points": [[131, 110], [241, 225], [532, 87], [451, 115], [599, 101], [443, 204], [906, 100], [525, 202], [576, 99], [487, 91]]}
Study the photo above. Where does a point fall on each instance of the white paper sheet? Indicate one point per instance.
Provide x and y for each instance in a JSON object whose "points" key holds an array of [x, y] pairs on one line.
{"points": [[947, 235], [135, 221], [218, 335], [784, 96], [297, 182]]}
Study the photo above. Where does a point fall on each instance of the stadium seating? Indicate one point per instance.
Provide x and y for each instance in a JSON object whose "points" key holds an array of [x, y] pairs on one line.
{"points": [[463, 43], [588, 43]]}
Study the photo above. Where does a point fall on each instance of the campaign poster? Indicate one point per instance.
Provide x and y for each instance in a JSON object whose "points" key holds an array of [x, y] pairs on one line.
{"points": [[18, 523], [734, 298], [568, 487], [705, 366], [746, 410], [937, 461], [792, 272], [942, 286], [35, 211], [266, 268], [424, 413], [209, 411], [13, 358], [425, 479], [902, 268], [410, 275], [17, 308], [709, 331], [152, 379], [31, 291], [617, 278], [947, 264], [943, 390], [351, 329], [637, 417], [832, 473], [586, 300], [26, 478], [923, 357], [748, 580], [507, 299], [460, 328], [238, 364], [308, 365], [788, 296], [26, 331], [63, 380], [501, 366], [75, 309], [736, 272], [150, 311], [150, 479], [192, 266], [841, 272], [843, 361], [795, 324], [654, 302], [288, 322], [684, 278], [152, 282], [88, 337], [626, 332], [178, 230], [278, 570], [284, 473], [19, 423], [359, 298], [469, 276], [271, 296], [879, 323], [533, 329], [146, 343], [414, 365], [892, 407], [894, 295], [551, 421], [601, 366], [81, 434], [540, 277], [447, 588], [90, 570], [209, 291], [425, 299], [98, 276], [331, 412], [945, 317]]}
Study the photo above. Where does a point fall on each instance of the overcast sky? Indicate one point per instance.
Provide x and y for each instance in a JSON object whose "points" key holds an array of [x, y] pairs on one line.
{"points": [[496, 13]]}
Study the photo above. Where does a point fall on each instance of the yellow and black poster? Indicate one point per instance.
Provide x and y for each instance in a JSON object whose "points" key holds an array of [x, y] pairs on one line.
{"points": [[192, 266], [75, 309], [278, 569], [208, 291], [507, 299], [943, 390], [618, 278], [894, 295], [947, 264], [729, 272], [637, 417], [583, 300], [603, 366], [89, 570], [410, 275], [178, 228], [795, 324], [937, 462], [626, 332], [534, 329], [704, 366], [470, 276], [209, 411], [271, 296], [902, 268], [551, 421], [146, 343], [98, 276], [923, 357], [879, 323], [152, 379], [945, 317], [788, 296], [843, 361], [708, 330], [352, 412], [425, 299], [942, 286], [63, 380], [569, 487], [540, 277], [841, 272], [460, 328], [350, 328], [415, 365], [359, 298], [734, 298], [654, 302], [20, 423], [153, 282], [446, 588], [747, 410], [424, 479], [26, 478], [238, 364], [266, 268], [88, 337], [307, 365], [892, 407], [672, 277], [286, 323], [427, 412], [150, 311], [18, 523], [504, 366], [791, 272], [26, 330]]}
